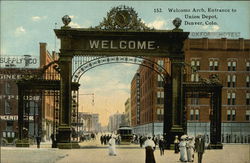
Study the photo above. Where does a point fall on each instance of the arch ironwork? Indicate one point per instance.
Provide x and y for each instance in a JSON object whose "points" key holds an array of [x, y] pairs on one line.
{"points": [[119, 59]]}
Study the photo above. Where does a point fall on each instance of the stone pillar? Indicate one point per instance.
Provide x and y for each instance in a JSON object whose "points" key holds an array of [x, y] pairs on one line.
{"points": [[64, 129], [22, 142], [215, 124], [174, 106]]}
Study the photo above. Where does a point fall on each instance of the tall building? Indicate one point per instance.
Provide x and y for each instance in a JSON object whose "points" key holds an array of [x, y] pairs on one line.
{"points": [[128, 112], [115, 121], [147, 98], [227, 58], [89, 122]]}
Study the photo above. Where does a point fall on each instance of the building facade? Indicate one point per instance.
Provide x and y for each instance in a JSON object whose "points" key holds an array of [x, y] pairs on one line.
{"points": [[115, 121], [9, 105], [89, 122], [40, 107], [147, 98], [48, 102], [128, 112], [229, 60]]}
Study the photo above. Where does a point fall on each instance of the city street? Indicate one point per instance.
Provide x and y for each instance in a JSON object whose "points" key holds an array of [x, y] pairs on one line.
{"points": [[93, 152]]}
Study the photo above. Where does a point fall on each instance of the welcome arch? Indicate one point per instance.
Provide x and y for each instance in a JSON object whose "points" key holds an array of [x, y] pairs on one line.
{"points": [[122, 34]]}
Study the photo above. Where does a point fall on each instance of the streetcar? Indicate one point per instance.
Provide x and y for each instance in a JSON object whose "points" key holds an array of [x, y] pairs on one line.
{"points": [[126, 134]]}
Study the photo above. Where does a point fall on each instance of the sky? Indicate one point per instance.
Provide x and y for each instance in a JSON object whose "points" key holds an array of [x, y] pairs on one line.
{"points": [[24, 24]]}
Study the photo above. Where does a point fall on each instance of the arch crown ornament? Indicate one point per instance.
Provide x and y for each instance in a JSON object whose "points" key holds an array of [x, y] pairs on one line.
{"points": [[122, 18]]}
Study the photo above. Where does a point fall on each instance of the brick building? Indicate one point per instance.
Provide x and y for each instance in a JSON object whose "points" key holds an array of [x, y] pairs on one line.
{"points": [[9, 74], [9, 104], [147, 97], [230, 60]]}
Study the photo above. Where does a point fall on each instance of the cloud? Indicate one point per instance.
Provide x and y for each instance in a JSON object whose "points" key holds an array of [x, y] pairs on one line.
{"points": [[72, 16], [159, 23], [75, 25], [20, 31], [38, 18]]}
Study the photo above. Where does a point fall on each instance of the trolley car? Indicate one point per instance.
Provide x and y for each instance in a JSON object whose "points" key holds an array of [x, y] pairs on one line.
{"points": [[126, 135]]}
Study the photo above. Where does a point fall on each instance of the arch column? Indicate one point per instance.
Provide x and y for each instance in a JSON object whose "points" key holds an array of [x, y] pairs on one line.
{"points": [[174, 102], [65, 129]]}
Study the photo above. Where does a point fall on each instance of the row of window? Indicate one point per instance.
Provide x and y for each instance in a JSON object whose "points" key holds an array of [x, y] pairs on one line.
{"points": [[231, 115], [31, 108], [231, 80], [231, 99], [214, 65]]}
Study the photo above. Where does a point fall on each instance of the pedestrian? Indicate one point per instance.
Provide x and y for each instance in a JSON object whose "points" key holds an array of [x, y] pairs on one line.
{"points": [[200, 147], [149, 147], [112, 148], [38, 141], [161, 145], [190, 149], [183, 149], [102, 139], [176, 143], [141, 141]]}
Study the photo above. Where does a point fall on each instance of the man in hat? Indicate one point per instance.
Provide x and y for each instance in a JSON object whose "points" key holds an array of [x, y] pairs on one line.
{"points": [[183, 148], [190, 149], [200, 147], [112, 148], [161, 145], [149, 146]]}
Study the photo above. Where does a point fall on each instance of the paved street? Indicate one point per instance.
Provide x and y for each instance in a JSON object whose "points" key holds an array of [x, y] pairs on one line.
{"points": [[93, 152]]}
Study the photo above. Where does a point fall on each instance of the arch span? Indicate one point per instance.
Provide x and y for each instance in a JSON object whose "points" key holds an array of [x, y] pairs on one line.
{"points": [[119, 59]]}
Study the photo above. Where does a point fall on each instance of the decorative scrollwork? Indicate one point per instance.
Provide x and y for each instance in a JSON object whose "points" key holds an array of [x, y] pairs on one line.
{"points": [[122, 18], [117, 59]]}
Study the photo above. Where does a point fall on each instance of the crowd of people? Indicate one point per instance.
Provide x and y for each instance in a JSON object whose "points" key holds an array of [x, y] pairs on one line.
{"points": [[186, 146], [104, 139]]}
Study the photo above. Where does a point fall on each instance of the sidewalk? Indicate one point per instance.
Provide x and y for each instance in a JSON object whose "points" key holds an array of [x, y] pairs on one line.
{"points": [[229, 154]]}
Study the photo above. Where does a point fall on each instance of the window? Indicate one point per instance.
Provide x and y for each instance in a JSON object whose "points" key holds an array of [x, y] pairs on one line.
{"points": [[7, 109], [228, 98], [231, 80], [161, 65], [231, 65], [248, 98], [160, 82], [231, 98], [213, 65], [191, 114], [194, 101], [195, 77], [248, 115], [197, 114], [7, 88], [248, 66], [9, 126], [160, 113], [195, 64], [228, 115], [160, 97], [248, 81], [233, 115]]}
